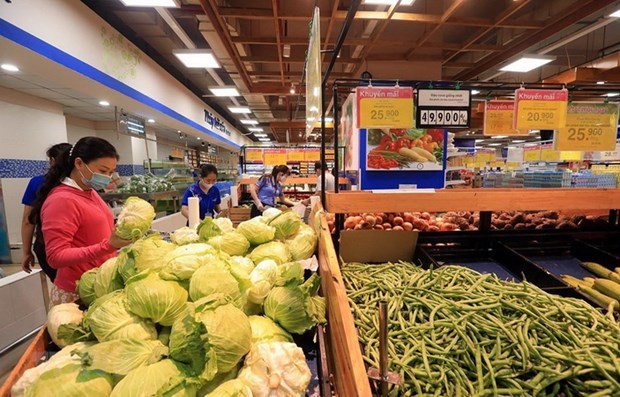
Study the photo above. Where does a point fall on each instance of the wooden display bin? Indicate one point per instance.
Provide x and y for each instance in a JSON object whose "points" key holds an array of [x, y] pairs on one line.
{"points": [[239, 214]]}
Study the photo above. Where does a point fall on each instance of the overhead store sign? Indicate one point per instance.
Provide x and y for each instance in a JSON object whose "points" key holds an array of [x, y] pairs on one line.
{"points": [[253, 155], [499, 118], [384, 107], [274, 156], [443, 108], [312, 155], [589, 127], [215, 123], [540, 109], [295, 156]]}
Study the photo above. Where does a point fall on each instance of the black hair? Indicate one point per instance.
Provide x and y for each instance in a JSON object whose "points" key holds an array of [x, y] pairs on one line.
{"points": [[274, 173], [207, 169], [88, 149], [318, 166], [56, 150]]}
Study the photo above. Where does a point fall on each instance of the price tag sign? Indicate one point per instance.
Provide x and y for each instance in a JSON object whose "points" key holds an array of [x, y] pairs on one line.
{"points": [[571, 156], [499, 119], [384, 107], [540, 109], [589, 127], [254, 155], [312, 155], [295, 156], [443, 108], [531, 154], [274, 156], [548, 154]]}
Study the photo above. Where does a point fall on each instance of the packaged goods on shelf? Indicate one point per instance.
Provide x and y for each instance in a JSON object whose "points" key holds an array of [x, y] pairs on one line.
{"points": [[589, 179], [612, 169]]}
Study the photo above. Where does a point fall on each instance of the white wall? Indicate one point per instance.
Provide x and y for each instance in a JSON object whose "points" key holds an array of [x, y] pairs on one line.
{"points": [[30, 126]]}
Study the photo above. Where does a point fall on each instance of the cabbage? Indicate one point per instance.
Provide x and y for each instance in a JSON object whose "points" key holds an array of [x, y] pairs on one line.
{"points": [[58, 360], [215, 278], [164, 378], [220, 378], [107, 278], [146, 253], [263, 278], [302, 245], [276, 369], [184, 235], [296, 307], [286, 224], [232, 243], [208, 228], [271, 213], [232, 388], [148, 296], [71, 381], [274, 250], [265, 330], [224, 224], [212, 338], [63, 315], [119, 357], [182, 262], [135, 219], [290, 272], [164, 335], [109, 319], [242, 264], [256, 232], [85, 286]]}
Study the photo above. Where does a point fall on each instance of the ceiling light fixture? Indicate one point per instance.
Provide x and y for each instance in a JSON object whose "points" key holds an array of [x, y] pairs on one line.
{"points": [[500, 136], [239, 109], [475, 92], [292, 90], [255, 129], [196, 58], [615, 14], [534, 131], [600, 82], [389, 2], [494, 144], [286, 51], [264, 139], [260, 135], [224, 91], [151, 3], [9, 67], [151, 121], [249, 121], [519, 141], [611, 94], [104, 103], [198, 138], [527, 63]]}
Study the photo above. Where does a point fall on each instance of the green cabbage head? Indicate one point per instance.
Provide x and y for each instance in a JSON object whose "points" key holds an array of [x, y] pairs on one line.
{"points": [[146, 253], [302, 245], [232, 243], [148, 296], [256, 231], [215, 279], [208, 228], [286, 224], [241, 264], [164, 378], [107, 279], [71, 381], [232, 388], [119, 357], [274, 250], [86, 286], [184, 235], [263, 279], [135, 219], [183, 261], [266, 330]]}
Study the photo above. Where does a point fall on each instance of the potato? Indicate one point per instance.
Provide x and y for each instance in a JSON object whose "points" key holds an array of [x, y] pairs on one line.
{"points": [[398, 228], [387, 225], [378, 227], [433, 229], [519, 226], [519, 218], [407, 226], [371, 219], [447, 227], [398, 221]]}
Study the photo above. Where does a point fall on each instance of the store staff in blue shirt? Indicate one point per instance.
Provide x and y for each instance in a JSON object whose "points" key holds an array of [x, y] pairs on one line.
{"points": [[268, 190], [206, 191]]}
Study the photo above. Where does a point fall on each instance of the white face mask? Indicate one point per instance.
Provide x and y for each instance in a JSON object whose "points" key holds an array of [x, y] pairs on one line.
{"points": [[207, 186]]}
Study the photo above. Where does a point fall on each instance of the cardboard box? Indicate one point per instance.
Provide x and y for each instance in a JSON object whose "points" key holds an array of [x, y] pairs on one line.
{"points": [[377, 246]]}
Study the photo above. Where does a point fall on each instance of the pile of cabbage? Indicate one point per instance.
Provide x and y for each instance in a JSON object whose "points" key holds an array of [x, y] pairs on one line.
{"points": [[211, 313]]}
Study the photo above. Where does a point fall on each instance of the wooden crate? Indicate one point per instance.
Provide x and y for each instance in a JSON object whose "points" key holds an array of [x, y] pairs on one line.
{"points": [[239, 214], [344, 352], [39, 345]]}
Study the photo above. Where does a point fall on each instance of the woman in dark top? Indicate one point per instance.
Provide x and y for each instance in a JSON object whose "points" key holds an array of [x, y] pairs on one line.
{"points": [[268, 190]]}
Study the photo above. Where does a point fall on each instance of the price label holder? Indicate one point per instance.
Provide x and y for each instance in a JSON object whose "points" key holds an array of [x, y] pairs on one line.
{"points": [[254, 155], [384, 107], [443, 108], [499, 119], [540, 109], [274, 156], [589, 127]]}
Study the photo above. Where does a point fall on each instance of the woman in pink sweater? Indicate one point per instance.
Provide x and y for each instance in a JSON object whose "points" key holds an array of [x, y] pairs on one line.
{"points": [[77, 225]]}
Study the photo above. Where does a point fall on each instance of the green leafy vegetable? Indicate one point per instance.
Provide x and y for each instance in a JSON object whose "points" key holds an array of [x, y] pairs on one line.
{"points": [[71, 381], [146, 253], [263, 279], [302, 245], [182, 262], [63, 314], [107, 279], [148, 296], [135, 219], [232, 388], [286, 224], [86, 286], [216, 279], [256, 231], [265, 330], [232, 243], [208, 228], [119, 357], [184, 235], [164, 378], [274, 250]]}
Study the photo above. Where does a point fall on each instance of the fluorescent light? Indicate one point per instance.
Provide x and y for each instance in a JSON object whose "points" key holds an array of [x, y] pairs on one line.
{"points": [[239, 109], [264, 139], [615, 14], [196, 58], [151, 120], [611, 94], [480, 140], [286, 51], [500, 136], [9, 68], [249, 122], [389, 2], [198, 138], [260, 135], [495, 144], [475, 92], [256, 129], [150, 3], [519, 141], [224, 91], [104, 103], [600, 82], [527, 63], [534, 131]]}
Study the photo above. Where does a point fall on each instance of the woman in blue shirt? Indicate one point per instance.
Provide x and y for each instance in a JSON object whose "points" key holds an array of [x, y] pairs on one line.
{"points": [[206, 191], [268, 190]]}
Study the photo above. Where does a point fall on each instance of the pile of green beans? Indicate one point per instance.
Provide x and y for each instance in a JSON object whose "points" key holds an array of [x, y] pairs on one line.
{"points": [[455, 332]]}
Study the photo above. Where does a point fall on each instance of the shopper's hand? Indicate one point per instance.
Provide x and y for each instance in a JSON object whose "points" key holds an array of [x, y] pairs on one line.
{"points": [[118, 242], [260, 207], [28, 262]]}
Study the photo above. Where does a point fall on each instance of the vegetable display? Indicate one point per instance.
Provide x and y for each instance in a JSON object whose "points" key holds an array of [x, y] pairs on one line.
{"points": [[148, 183], [187, 320], [604, 290], [455, 332], [398, 148]]}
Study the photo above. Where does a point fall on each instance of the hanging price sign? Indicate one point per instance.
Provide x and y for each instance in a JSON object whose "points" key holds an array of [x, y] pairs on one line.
{"points": [[274, 156], [311, 155], [548, 154], [253, 155], [295, 156], [443, 108], [589, 127], [499, 119], [384, 107], [531, 154], [540, 109]]}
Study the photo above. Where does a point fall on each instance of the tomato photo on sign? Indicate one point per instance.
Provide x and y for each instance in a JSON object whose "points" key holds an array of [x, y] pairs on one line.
{"points": [[436, 134]]}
